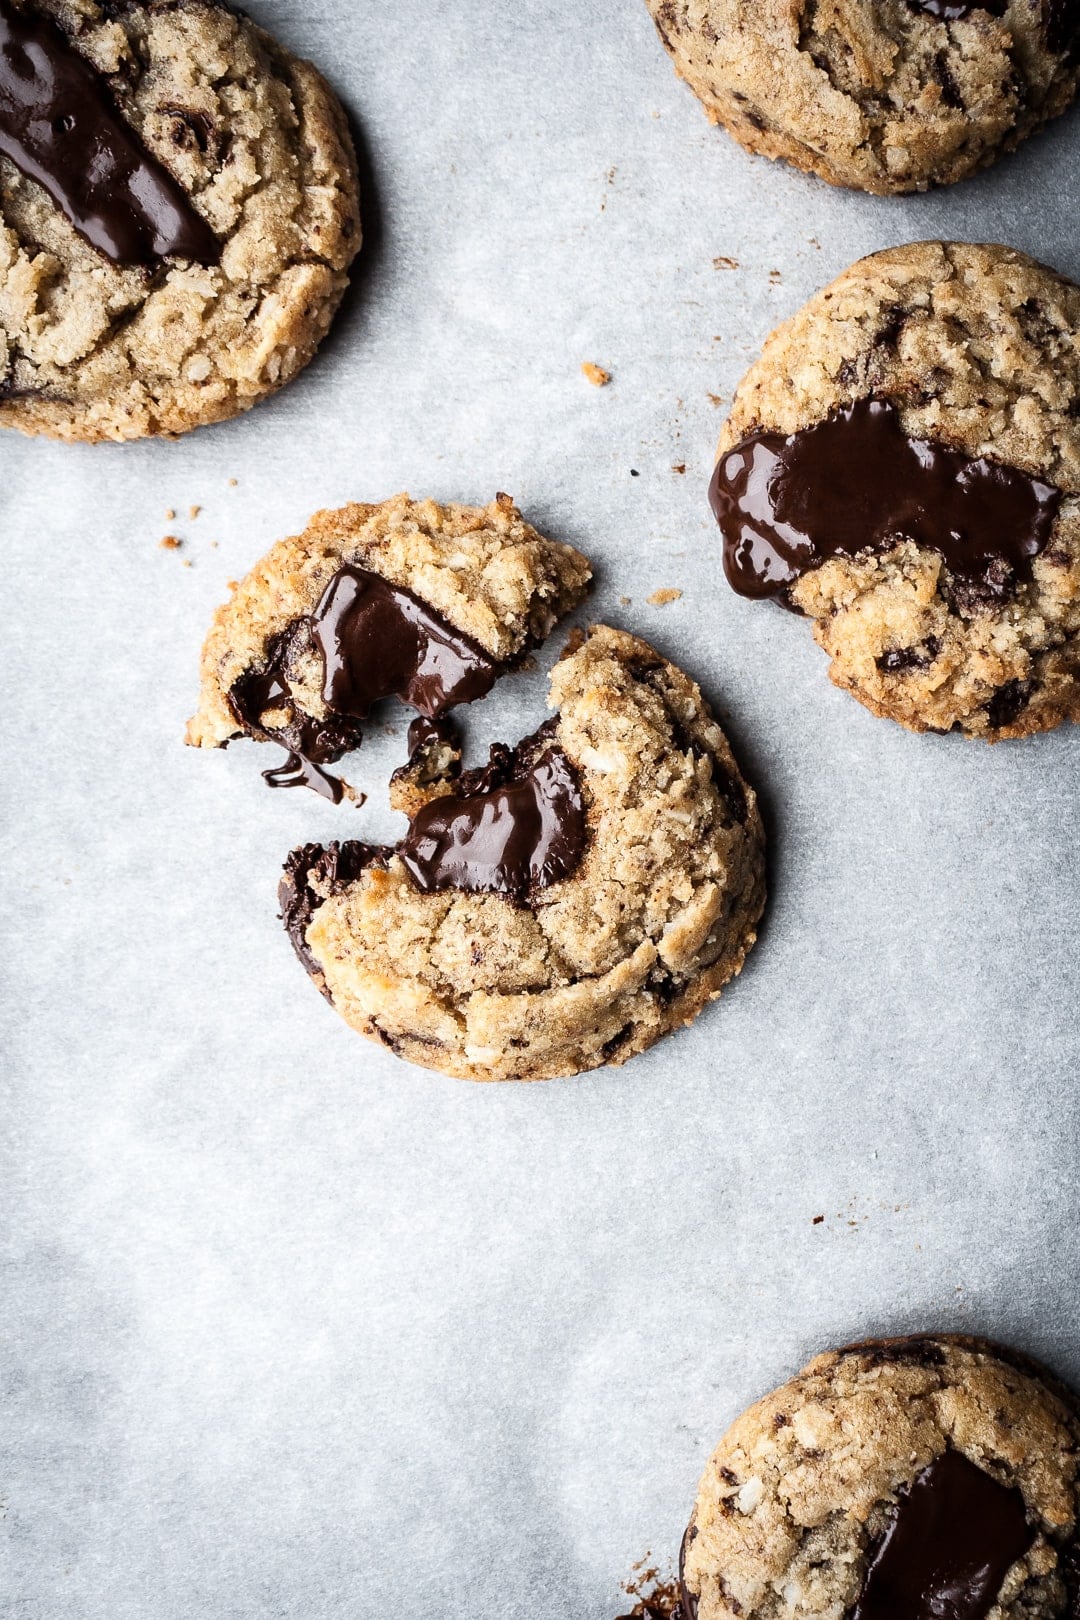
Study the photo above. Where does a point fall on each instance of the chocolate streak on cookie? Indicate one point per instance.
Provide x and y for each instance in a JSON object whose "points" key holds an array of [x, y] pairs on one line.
{"points": [[855, 482], [954, 1537], [379, 640], [688, 1601], [59, 126], [513, 828]]}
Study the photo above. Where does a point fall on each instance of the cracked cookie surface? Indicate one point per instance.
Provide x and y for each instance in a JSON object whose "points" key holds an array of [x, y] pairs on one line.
{"points": [[657, 916], [800, 1495], [978, 349], [883, 95], [480, 571], [91, 349]]}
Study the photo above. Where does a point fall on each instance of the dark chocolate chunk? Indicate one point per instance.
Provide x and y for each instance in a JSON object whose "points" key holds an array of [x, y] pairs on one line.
{"points": [[855, 482], [379, 640], [1061, 20], [954, 1536], [334, 866], [60, 127], [1009, 702], [512, 828], [901, 658]]}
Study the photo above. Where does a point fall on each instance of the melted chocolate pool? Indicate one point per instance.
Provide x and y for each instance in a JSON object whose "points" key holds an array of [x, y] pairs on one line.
{"points": [[855, 482]]}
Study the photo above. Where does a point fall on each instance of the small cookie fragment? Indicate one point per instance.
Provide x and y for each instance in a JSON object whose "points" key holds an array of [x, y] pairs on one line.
{"points": [[881, 95], [408, 598], [596, 374], [898, 1479], [561, 908], [902, 465], [195, 264]]}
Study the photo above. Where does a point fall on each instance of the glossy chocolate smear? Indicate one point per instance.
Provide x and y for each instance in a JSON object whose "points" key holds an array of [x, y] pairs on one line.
{"points": [[513, 828], [379, 640], [855, 482], [309, 743], [954, 1536], [59, 126]]}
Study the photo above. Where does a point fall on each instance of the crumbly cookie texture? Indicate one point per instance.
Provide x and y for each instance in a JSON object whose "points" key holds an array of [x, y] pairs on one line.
{"points": [[979, 348], [657, 917], [93, 350], [877, 94], [801, 1489], [483, 568]]}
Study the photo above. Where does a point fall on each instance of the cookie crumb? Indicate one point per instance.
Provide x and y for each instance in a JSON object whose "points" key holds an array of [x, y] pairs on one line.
{"points": [[715, 399], [188, 563], [634, 473], [662, 597], [193, 511], [724, 262], [625, 600], [678, 466], [817, 1220], [170, 543], [596, 374], [170, 515], [774, 278], [653, 1599], [233, 482]]}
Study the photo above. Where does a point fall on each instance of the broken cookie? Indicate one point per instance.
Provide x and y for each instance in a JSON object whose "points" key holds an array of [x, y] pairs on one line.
{"points": [[407, 599], [561, 908]]}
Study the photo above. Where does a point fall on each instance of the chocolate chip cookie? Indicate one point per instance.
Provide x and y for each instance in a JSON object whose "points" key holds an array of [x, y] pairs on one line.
{"points": [[424, 602], [179, 207], [560, 908], [883, 95], [902, 465], [900, 1479]]}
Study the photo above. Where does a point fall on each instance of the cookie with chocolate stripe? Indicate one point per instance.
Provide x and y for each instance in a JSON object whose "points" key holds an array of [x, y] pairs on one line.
{"points": [[883, 95], [899, 1479], [179, 207], [902, 466]]}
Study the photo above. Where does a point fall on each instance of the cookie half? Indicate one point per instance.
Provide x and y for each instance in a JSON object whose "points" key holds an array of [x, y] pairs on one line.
{"points": [[882, 95], [564, 907], [900, 1479], [179, 207], [902, 465], [411, 599]]}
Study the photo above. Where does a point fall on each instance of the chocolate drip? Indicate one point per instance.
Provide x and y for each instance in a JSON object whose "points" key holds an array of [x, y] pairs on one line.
{"points": [[513, 828], [59, 126], [855, 482], [334, 868], [379, 640], [310, 743], [954, 1536]]}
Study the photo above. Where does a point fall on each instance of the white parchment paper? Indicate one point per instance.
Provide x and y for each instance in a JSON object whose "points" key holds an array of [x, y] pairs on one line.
{"points": [[290, 1328]]}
